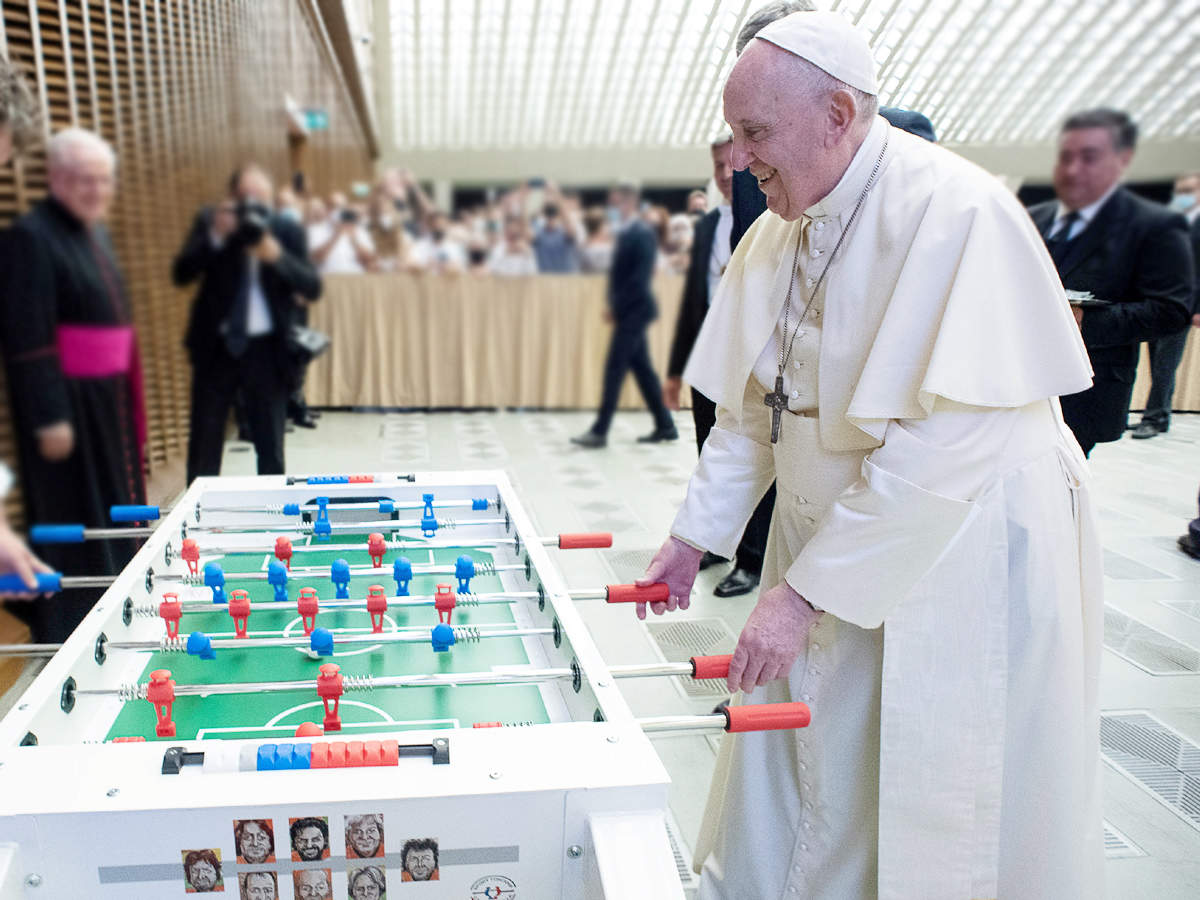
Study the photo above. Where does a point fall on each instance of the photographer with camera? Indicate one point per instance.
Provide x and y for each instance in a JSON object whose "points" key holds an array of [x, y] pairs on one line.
{"points": [[341, 245], [254, 266]]}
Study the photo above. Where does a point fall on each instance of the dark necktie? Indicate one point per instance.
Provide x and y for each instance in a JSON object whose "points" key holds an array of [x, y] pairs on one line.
{"points": [[236, 339], [1060, 243]]}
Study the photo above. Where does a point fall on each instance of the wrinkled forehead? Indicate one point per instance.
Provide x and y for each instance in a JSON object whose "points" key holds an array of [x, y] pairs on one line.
{"points": [[761, 85]]}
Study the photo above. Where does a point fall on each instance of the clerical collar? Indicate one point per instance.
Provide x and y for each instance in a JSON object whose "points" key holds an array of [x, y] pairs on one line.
{"points": [[843, 197]]}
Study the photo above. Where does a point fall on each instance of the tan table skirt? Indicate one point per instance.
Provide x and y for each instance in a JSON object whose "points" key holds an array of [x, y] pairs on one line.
{"points": [[473, 341], [540, 342], [1187, 377]]}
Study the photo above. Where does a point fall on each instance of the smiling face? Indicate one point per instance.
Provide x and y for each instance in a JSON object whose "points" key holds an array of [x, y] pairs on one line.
{"points": [[796, 139], [202, 875], [255, 843], [420, 864], [363, 837], [313, 884], [309, 843]]}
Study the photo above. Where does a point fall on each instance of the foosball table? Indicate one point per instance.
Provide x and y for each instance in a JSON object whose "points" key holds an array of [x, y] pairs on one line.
{"points": [[340, 686]]}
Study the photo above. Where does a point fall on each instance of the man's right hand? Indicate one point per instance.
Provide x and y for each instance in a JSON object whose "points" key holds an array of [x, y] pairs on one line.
{"points": [[224, 221], [1196, 320], [55, 442], [16, 557], [675, 565], [671, 388]]}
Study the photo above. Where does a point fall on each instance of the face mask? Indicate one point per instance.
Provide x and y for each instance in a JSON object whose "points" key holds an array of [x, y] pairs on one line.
{"points": [[1183, 202]]}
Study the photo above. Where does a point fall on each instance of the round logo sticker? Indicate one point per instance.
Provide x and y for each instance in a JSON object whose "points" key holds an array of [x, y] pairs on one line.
{"points": [[494, 887]]}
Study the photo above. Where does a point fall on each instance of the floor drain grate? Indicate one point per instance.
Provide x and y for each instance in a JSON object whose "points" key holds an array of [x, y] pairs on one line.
{"points": [[629, 565], [1118, 846], [680, 641], [1156, 757], [683, 859], [1148, 649]]}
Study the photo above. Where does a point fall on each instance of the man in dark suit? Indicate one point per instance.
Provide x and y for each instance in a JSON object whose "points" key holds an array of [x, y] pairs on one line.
{"points": [[1166, 352], [253, 264], [631, 308], [711, 249], [1128, 253]]}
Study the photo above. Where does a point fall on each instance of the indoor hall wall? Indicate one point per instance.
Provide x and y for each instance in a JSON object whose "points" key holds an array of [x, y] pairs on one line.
{"points": [[185, 90]]}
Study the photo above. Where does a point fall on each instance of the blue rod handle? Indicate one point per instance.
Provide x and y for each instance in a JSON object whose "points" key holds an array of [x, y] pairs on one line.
{"points": [[56, 534], [133, 513], [48, 583]]}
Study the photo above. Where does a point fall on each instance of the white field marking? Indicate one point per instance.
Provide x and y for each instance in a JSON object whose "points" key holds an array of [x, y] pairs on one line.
{"points": [[370, 648], [303, 706], [271, 727]]}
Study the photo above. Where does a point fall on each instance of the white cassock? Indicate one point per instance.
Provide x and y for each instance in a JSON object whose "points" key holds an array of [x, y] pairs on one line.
{"points": [[933, 504]]}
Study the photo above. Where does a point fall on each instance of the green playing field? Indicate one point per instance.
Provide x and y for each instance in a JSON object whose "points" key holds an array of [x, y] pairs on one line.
{"points": [[276, 715]]}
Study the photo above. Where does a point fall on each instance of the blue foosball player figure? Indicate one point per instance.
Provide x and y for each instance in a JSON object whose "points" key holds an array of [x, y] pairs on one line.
{"points": [[339, 574], [277, 577], [214, 577], [464, 571], [402, 572]]}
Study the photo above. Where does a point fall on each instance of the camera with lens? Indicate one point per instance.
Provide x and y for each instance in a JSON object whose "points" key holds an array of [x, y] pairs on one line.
{"points": [[348, 217], [253, 220]]}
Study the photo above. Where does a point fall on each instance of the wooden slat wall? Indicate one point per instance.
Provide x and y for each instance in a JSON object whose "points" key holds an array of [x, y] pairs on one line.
{"points": [[185, 90]]}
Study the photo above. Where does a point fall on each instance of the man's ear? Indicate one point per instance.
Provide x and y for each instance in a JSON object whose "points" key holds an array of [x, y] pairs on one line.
{"points": [[842, 112]]}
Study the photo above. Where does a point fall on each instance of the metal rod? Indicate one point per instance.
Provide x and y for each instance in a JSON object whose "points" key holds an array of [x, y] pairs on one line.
{"points": [[412, 544], [461, 633], [666, 724], [29, 649], [342, 527], [442, 679], [320, 571], [203, 606]]}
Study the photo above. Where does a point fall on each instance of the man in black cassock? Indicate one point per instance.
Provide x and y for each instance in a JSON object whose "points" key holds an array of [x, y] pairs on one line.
{"points": [[73, 374]]}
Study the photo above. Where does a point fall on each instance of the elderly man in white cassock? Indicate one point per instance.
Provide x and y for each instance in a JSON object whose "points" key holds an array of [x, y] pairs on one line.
{"points": [[888, 342]]}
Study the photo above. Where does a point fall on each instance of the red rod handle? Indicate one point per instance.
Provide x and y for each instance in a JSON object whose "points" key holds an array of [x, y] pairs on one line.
{"points": [[631, 593], [597, 541], [711, 666], [767, 717]]}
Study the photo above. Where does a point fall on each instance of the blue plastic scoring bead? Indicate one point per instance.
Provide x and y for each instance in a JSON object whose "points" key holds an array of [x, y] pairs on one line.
{"points": [[403, 573], [339, 574], [302, 756], [266, 757], [464, 571], [321, 641], [283, 756], [443, 638], [200, 644], [214, 577], [277, 577], [479, 503], [291, 509]]}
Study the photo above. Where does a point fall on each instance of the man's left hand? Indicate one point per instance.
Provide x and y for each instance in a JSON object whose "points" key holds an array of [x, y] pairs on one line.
{"points": [[17, 558], [772, 639], [1078, 311], [267, 250]]}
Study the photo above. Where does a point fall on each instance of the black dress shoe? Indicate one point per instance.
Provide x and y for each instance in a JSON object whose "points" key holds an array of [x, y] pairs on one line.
{"points": [[658, 435], [736, 583], [1189, 545], [708, 560], [1146, 430], [590, 439], [305, 421]]}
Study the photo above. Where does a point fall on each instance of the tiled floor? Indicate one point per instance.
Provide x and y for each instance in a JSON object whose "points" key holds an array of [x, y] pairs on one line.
{"points": [[1146, 492]]}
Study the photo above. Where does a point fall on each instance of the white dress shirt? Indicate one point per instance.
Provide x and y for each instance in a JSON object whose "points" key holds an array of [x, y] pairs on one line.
{"points": [[1085, 215], [721, 250]]}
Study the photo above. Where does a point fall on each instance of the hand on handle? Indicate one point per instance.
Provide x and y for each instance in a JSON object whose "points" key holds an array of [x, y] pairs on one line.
{"points": [[675, 565]]}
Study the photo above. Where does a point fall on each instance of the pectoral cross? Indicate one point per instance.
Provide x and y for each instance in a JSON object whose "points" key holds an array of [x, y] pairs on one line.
{"points": [[778, 402]]}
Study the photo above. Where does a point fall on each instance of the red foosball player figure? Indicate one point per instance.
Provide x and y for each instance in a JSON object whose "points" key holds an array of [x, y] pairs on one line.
{"points": [[329, 687], [239, 609], [161, 694], [444, 602], [283, 551], [171, 611], [376, 547], [376, 605], [307, 603], [190, 554]]}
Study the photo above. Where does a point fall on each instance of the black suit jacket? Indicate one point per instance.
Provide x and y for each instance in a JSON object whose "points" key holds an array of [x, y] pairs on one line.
{"points": [[1196, 264], [221, 271], [695, 294], [1135, 255], [629, 294]]}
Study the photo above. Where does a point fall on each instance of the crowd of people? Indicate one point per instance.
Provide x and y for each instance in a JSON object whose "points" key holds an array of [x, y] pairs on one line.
{"points": [[534, 228]]}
